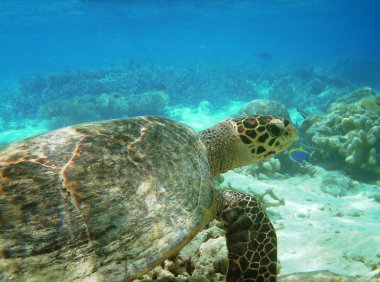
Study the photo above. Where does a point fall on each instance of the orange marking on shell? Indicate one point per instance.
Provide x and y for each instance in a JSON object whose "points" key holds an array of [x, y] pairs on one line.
{"points": [[67, 184], [133, 155], [20, 156], [44, 162], [16, 156]]}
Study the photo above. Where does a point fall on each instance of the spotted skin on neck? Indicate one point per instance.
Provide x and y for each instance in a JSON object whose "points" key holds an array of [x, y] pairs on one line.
{"points": [[241, 141]]}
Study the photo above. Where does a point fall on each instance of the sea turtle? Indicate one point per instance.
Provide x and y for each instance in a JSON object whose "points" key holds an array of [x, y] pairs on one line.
{"points": [[109, 200]]}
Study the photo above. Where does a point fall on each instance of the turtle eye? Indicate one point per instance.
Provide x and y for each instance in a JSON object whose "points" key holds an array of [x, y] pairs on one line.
{"points": [[274, 130]]}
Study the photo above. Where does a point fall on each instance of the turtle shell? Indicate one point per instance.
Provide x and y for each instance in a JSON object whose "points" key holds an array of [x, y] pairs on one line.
{"points": [[109, 199]]}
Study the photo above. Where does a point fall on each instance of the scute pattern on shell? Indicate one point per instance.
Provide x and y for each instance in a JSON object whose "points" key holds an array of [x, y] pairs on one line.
{"points": [[110, 199]]}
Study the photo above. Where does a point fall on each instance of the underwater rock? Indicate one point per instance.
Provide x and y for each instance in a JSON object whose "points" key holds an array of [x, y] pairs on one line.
{"points": [[205, 258], [264, 107], [349, 132]]}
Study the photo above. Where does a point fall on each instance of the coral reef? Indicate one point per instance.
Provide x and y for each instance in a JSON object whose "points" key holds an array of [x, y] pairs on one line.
{"points": [[304, 88], [147, 88], [184, 85], [63, 112], [80, 109], [349, 132], [126, 81], [149, 103]]}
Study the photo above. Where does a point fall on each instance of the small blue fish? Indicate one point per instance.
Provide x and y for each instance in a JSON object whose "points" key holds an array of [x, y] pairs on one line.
{"points": [[299, 155]]}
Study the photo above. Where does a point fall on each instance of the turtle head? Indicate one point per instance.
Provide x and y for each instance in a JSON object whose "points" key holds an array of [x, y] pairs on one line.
{"points": [[262, 136], [244, 140]]}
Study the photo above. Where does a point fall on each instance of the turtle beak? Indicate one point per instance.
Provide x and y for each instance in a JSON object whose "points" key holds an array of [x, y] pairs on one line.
{"points": [[292, 133], [289, 136]]}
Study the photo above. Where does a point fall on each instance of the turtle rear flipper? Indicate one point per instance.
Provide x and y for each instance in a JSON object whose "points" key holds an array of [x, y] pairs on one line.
{"points": [[251, 238]]}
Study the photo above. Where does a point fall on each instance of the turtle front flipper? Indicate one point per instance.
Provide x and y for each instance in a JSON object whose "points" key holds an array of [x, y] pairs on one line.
{"points": [[251, 238]]}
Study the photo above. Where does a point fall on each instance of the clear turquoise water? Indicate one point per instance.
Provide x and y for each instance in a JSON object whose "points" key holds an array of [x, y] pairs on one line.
{"points": [[66, 62]]}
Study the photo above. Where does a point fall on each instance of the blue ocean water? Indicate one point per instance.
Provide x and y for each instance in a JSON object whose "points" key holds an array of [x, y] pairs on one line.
{"points": [[69, 62], [38, 37]]}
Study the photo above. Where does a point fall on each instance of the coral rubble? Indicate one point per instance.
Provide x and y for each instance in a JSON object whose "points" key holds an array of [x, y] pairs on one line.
{"points": [[205, 258]]}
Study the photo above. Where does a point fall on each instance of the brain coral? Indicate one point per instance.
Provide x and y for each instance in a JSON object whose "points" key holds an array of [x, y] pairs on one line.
{"points": [[351, 129]]}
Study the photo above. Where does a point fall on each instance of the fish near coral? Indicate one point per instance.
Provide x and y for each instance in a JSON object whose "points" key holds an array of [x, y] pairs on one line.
{"points": [[299, 156]]}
